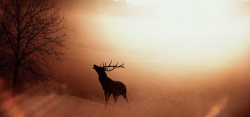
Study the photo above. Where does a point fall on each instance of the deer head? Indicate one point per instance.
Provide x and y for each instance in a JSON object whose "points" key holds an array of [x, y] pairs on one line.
{"points": [[110, 67]]}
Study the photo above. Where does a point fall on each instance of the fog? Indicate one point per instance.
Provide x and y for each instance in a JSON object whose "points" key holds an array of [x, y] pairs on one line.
{"points": [[209, 100], [179, 74]]}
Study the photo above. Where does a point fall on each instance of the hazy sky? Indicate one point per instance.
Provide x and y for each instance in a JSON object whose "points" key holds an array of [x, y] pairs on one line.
{"points": [[190, 54], [181, 57], [169, 32], [160, 41]]}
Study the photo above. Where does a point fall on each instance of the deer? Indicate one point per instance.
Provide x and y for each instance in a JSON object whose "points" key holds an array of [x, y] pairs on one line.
{"points": [[110, 86]]}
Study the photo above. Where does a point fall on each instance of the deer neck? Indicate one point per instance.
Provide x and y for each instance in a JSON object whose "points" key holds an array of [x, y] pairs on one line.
{"points": [[103, 78], [102, 74]]}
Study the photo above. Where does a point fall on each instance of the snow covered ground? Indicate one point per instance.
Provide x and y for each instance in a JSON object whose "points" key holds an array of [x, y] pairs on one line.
{"points": [[58, 106], [198, 102], [54, 105]]}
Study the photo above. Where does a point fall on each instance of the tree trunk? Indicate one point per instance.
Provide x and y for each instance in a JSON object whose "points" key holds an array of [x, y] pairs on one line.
{"points": [[15, 74], [18, 45]]}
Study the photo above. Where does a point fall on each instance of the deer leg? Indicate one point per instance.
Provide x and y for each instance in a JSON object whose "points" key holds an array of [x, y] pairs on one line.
{"points": [[125, 97], [106, 99], [115, 98], [107, 95]]}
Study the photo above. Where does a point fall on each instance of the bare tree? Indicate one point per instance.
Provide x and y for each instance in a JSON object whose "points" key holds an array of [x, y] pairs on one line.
{"points": [[32, 36]]}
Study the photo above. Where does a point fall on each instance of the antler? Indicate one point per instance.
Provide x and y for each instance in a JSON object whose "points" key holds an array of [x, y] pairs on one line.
{"points": [[114, 66]]}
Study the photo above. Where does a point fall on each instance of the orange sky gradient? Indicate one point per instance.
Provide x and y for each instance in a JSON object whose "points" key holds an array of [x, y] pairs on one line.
{"points": [[181, 58], [169, 39]]}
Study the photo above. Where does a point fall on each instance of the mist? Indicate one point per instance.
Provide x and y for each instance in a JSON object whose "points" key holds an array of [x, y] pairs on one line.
{"points": [[179, 74]]}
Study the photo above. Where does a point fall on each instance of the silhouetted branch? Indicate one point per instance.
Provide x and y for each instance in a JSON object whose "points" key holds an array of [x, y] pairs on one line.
{"points": [[33, 34]]}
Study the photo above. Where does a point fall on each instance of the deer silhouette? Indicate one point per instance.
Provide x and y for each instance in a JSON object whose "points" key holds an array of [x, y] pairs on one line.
{"points": [[110, 86]]}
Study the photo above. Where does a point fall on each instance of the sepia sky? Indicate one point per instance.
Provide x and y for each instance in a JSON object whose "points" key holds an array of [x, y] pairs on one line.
{"points": [[196, 46], [181, 57], [168, 39]]}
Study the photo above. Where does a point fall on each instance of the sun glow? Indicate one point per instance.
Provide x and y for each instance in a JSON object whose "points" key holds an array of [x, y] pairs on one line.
{"points": [[139, 2], [172, 33], [186, 33]]}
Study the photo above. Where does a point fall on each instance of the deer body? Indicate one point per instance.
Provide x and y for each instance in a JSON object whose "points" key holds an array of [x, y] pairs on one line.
{"points": [[109, 86]]}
